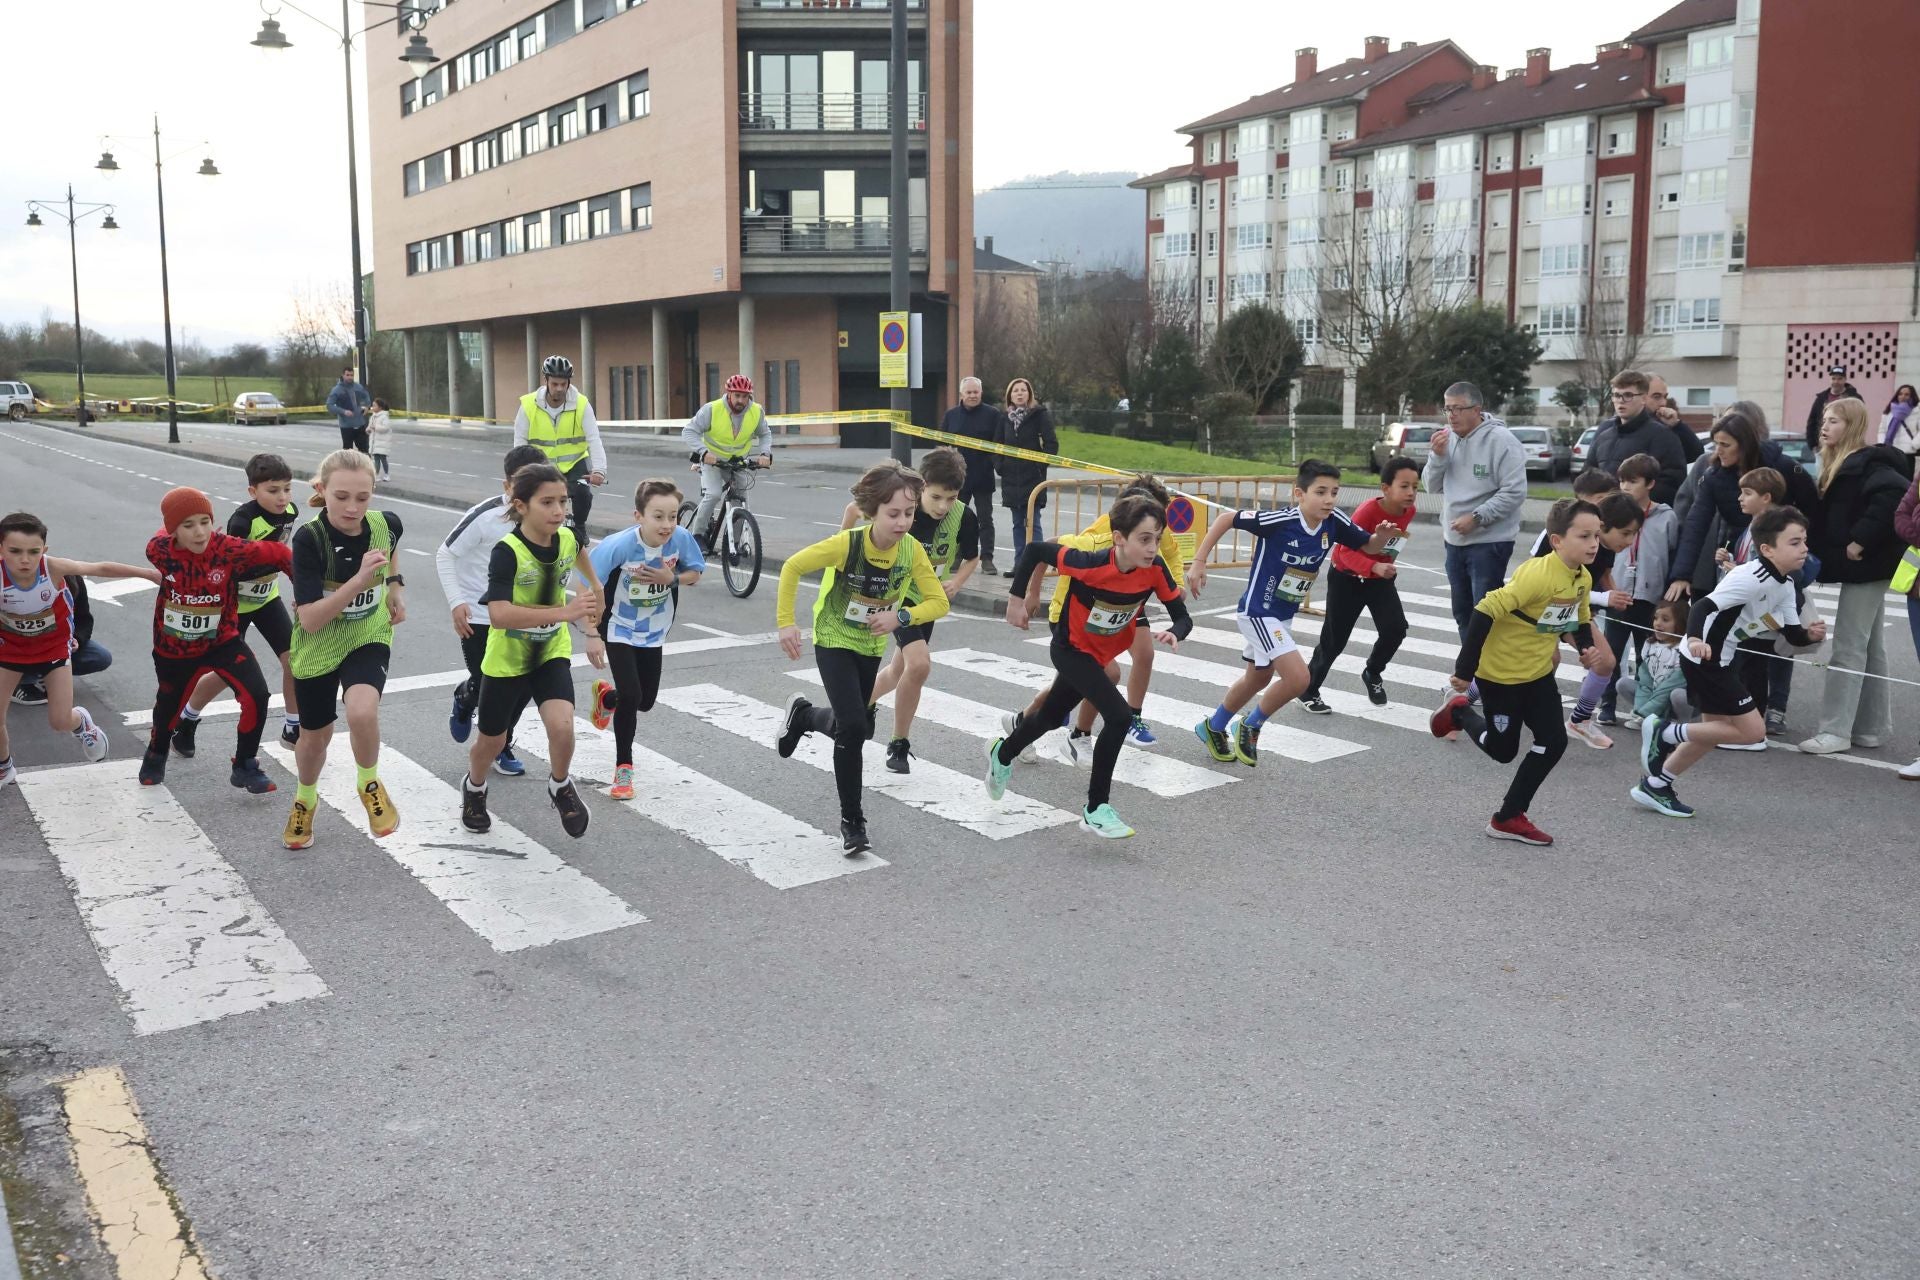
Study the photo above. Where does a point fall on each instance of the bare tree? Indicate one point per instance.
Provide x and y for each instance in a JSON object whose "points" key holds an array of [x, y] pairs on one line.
{"points": [[1612, 339], [317, 336], [1386, 265]]}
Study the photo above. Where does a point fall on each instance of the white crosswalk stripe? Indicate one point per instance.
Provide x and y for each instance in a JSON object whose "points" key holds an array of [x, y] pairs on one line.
{"points": [[1280, 740], [930, 788], [1219, 674], [505, 885], [1397, 672], [1159, 774], [754, 836], [176, 928], [1309, 628]]}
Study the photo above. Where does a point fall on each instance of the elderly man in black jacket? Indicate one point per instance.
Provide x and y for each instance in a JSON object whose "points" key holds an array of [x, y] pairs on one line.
{"points": [[979, 421], [1632, 429], [1838, 388]]}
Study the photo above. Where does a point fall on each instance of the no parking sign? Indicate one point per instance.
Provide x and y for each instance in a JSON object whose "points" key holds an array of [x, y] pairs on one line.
{"points": [[1180, 525]]}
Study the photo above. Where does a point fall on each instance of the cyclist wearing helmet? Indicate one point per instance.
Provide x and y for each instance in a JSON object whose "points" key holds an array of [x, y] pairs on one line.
{"points": [[558, 419], [731, 427]]}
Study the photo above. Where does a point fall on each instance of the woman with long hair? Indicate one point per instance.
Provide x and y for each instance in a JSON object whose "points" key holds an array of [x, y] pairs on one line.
{"points": [[1898, 426], [1029, 426]]}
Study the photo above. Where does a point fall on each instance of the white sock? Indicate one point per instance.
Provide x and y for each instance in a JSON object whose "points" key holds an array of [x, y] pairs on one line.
{"points": [[554, 785], [86, 721], [188, 713], [292, 718], [468, 784]]}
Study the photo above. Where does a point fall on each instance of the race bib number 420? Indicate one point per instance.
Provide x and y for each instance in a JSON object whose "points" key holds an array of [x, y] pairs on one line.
{"points": [[1105, 618]]}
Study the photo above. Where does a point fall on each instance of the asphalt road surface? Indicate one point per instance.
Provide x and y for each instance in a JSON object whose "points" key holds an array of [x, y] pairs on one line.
{"points": [[1310, 1021]]}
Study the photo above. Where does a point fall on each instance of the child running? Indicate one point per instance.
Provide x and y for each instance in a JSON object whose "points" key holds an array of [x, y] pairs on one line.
{"points": [[196, 633], [950, 532], [347, 599], [1622, 517], [1754, 600], [865, 576], [36, 631], [1658, 686], [642, 569], [1511, 652], [462, 562], [1107, 589], [380, 437], [1360, 581], [1291, 542], [1640, 573], [266, 516], [1767, 675], [529, 654]]}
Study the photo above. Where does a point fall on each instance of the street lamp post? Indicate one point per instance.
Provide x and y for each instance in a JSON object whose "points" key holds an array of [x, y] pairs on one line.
{"points": [[74, 215], [419, 57]]}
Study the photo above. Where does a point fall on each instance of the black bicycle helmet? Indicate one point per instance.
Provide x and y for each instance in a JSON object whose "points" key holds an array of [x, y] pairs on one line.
{"points": [[556, 367]]}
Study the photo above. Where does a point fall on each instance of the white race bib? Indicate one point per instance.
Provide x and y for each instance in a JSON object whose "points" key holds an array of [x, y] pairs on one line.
{"points": [[257, 589], [1295, 583], [862, 609], [364, 603], [28, 624], [1760, 626], [1105, 618], [1395, 545], [536, 635], [190, 622], [645, 595], [1559, 617]]}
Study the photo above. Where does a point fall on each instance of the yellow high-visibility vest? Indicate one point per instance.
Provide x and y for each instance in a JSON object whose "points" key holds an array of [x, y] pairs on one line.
{"points": [[563, 438]]}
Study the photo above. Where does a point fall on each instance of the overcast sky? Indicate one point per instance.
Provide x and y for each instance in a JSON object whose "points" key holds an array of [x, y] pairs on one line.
{"points": [[1110, 79]]}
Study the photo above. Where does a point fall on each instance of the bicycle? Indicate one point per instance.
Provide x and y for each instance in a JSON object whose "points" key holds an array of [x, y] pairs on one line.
{"points": [[734, 538]]}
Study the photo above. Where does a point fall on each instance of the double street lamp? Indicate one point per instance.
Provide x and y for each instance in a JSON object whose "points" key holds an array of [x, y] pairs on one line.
{"points": [[74, 215], [420, 59]]}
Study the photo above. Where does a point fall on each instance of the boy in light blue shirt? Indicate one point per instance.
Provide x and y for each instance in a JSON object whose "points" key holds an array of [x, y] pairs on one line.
{"points": [[643, 568]]}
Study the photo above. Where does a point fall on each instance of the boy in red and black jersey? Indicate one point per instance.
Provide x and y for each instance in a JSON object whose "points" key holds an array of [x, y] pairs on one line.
{"points": [[196, 632], [1105, 592]]}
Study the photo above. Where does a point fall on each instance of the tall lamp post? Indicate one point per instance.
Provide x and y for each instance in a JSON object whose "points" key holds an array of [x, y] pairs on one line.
{"points": [[900, 283], [206, 170], [74, 214], [419, 57]]}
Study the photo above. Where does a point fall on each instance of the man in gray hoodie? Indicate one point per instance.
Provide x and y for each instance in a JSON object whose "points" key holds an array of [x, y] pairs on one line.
{"points": [[1477, 467]]}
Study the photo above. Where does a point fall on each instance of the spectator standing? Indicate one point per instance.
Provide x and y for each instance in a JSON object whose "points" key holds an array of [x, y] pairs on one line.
{"points": [[1861, 485], [380, 438], [349, 402], [978, 420], [1477, 467], [1838, 388], [1899, 427], [1632, 429], [1028, 426], [1906, 579], [1661, 402]]}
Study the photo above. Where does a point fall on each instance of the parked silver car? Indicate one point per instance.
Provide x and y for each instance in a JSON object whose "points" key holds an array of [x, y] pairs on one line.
{"points": [[1583, 446], [1547, 453], [16, 400], [1407, 439], [258, 406]]}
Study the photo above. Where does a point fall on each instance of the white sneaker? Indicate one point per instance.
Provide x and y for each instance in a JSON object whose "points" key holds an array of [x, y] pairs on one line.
{"points": [[1869, 741], [1824, 744], [1912, 772], [93, 739], [7, 772], [1742, 746], [1590, 733]]}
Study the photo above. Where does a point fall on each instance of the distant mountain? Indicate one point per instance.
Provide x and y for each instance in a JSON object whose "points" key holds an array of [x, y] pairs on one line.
{"points": [[1087, 220]]}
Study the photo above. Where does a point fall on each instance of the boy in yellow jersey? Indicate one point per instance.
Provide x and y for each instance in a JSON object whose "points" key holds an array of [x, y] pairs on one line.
{"points": [[1511, 652]]}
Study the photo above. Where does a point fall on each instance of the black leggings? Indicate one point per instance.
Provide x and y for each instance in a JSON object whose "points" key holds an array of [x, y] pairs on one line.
{"points": [[580, 497], [636, 681], [848, 677], [1496, 730], [1347, 595], [1080, 676], [235, 664], [1633, 626], [473, 647]]}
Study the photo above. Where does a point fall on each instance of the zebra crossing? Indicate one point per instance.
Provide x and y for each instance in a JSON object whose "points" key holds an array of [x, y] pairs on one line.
{"points": [[185, 940]]}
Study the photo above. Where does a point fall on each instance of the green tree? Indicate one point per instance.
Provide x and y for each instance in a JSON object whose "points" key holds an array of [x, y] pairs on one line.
{"points": [[1572, 395], [1256, 351], [1173, 376], [1385, 378], [1475, 343]]}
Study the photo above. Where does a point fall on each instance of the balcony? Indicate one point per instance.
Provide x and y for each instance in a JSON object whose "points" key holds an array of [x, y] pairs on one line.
{"points": [[820, 15], [801, 123], [813, 244]]}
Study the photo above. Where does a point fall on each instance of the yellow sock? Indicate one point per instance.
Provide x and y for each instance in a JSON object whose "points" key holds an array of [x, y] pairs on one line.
{"points": [[363, 774]]}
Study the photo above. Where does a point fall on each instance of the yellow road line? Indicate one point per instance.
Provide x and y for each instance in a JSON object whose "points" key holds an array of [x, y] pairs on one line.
{"points": [[139, 1221]]}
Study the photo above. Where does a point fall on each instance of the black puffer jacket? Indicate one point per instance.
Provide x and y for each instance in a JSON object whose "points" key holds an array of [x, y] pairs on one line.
{"points": [[1858, 506], [1716, 502], [1018, 477], [1642, 433]]}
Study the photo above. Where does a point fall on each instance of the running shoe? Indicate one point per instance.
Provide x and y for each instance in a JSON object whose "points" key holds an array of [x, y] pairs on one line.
{"points": [[1246, 743], [93, 739], [382, 818], [1910, 772], [30, 694], [248, 773], [1661, 800], [507, 764], [1376, 688], [794, 727], [622, 788], [603, 704], [1442, 722], [1776, 724], [853, 838], [1217, 743], [1742, 746], [299, 831], [1606, 719], [1589, 732], [460, 719], [1314, 703], [7, 772], [183, 738], [473, 808], [897, 752], [1825, 744], [1139, 733], [997, 773], [153, 765], [290, 733], [1869, 741], [1519, 827], [1105, 823], [1010, 721], [572, 809], [1078, 747]]}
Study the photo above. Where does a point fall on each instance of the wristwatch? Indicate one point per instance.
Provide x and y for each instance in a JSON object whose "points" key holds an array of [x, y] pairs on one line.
{"points": [[396, 580], [905, 616]]}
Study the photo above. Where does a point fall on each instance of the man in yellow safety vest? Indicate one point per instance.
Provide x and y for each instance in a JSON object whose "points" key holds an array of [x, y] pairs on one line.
{"points": [[558, 420], [731, 427]]}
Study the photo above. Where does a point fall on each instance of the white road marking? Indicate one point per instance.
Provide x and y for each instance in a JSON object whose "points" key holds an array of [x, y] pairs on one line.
{"points": [[754, 836], [176, 928], [109, 592], [503, 885], [930, 788], [1219, 674], [1397, 672]]}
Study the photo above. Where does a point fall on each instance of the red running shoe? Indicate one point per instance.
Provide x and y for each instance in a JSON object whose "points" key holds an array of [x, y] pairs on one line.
{"points": [[604, 699], [1518, 828], [1442, 722]]}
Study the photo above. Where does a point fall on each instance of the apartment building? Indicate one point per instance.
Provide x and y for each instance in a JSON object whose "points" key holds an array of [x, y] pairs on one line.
{"points": [[667, 193], [1607, 205]]}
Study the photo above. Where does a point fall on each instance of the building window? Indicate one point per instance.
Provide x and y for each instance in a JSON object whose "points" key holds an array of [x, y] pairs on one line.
{"points": [[1453, 268], [1737, 248], [1703, 249], [1530, 200], [1307, 329], [1255, 135], [1704, 186], [1706, 51], [1566, 138], [713, 382], [1499, 209], [1616, 197], [534, 231], [1180, 196], [1743, 124], [1392, 163], [572, 224], [1303, 231], [1561, 321], [1213, 148], [1666, 195], [1212, 291], [512, 237], [1709, 120], [1566, 201], [1500, 153], [642, 202], [1699, 397], [599, 222], [565, 127], [596, 117], [1453, 213], [1342, 177], [1696, 315], [1252, 235], [1563, 260], [1670, 128], [1613, 260], [639, 97], [1213, 245], [1455, 156], [530, 140]]}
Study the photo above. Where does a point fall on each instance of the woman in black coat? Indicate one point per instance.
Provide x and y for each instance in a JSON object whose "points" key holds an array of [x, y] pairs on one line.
{"points": [[1714, 518], [1029, 426]]}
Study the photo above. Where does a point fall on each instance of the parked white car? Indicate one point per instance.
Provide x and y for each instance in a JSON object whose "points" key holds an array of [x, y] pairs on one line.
{"points": [[258, 406], [16, 400]]}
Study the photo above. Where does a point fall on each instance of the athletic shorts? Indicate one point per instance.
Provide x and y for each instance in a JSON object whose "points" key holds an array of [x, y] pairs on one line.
{"points": [[33, 672], [922, 631], [274, 623], [503, 698], [318, 696], [1266, 639], [1715, 690]]}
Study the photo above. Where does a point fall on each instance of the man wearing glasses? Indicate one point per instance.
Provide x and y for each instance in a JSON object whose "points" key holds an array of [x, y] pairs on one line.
{"points": [[1477, 467], [1634, 428]]}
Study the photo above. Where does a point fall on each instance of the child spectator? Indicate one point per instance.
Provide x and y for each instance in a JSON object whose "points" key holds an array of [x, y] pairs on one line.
{"points": [[380, 438]]}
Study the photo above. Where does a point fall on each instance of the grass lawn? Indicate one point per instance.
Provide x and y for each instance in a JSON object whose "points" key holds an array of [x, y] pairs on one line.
{"points": [[58, 388], [1161, 459]]}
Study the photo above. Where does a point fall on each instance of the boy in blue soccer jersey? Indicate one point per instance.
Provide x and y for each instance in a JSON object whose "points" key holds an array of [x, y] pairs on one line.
{"points": [[1290, 544]]}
